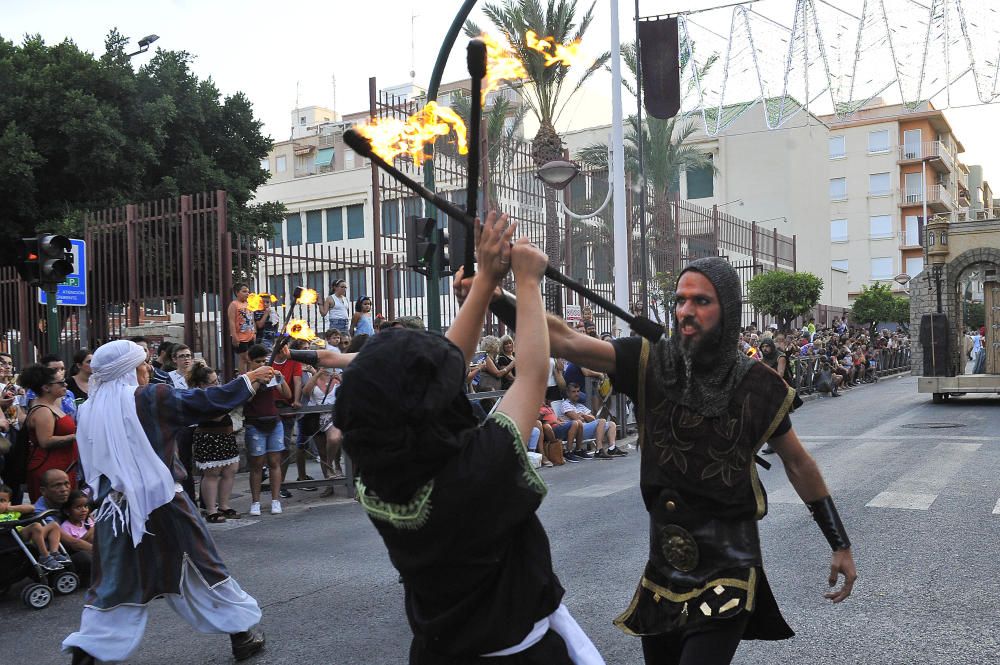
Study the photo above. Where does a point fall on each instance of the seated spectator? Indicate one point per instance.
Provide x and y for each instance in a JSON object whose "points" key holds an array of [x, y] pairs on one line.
{"points": [[56, 489], [563, 429], [45, 537], [603, 432], [78, 525], [537, 443], [826, 380]]}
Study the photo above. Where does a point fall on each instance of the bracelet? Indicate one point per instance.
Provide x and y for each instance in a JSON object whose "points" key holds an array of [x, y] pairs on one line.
{"points": [[826, 516]]}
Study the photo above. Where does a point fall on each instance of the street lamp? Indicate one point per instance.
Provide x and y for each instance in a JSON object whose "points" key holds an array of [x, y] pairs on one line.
{"points": [[723, 205], [144, 44], [773, 219], [558, 173]]}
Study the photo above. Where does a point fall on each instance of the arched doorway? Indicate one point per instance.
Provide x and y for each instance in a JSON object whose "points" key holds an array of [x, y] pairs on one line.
{"points": [[978, 302]]}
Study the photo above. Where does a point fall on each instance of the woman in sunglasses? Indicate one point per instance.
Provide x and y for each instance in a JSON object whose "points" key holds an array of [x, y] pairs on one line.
{"points": [[51, 431], [336, 308]]}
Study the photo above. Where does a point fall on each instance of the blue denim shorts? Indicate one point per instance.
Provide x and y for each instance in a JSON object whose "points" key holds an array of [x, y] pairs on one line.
{"points": [[260, 442], [562, 429]]}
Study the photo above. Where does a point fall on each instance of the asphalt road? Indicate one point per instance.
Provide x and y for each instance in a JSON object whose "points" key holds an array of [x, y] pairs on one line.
{"points": [[921, 506]]}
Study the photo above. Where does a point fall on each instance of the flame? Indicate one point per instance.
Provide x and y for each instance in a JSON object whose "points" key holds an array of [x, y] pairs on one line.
{"points": [[299, 329], [255, 301], [391, 137], [307, 297], [555, 52], [503, 65]]}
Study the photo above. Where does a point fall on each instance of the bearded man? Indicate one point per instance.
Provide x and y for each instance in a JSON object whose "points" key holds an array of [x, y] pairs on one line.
{"points": [[704, 410], [149, 540]]}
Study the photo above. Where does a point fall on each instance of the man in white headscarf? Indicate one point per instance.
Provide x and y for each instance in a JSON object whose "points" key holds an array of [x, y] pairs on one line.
{"points": [[149, 540]]}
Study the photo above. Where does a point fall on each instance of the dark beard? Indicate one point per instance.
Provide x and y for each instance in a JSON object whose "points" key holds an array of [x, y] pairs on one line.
{"points": [[699, 351]]}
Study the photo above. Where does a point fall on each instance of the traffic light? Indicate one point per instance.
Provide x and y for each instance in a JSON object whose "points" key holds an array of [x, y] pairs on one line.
{"points": [[55, 258], [420, 242], [44, 260]]}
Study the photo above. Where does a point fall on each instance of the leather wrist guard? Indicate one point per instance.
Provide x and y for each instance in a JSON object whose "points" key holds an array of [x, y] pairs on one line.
{"points": [[826, 516], [305, 356], [505, 309]]}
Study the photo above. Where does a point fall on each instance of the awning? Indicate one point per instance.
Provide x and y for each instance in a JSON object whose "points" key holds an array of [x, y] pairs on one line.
{"points": [[324, 157]]}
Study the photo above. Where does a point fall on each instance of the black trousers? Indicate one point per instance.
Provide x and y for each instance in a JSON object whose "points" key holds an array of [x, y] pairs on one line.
{"points": [[716, 644], [550, 650]]}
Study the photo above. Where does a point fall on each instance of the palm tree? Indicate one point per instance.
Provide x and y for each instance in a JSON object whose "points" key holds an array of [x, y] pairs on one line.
{"points": [[665, 159], [547, 93]]}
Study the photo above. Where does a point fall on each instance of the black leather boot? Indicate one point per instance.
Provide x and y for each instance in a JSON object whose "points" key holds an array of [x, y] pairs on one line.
{"points": [[81, 657], [247, 643]]}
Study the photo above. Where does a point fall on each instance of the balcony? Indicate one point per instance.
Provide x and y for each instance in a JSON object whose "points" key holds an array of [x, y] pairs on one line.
{"points": [[965, 215], [939, 199], [915, 152]]}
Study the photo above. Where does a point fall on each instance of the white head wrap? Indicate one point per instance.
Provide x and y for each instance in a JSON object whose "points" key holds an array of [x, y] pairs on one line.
{"points": [[113, 444]]}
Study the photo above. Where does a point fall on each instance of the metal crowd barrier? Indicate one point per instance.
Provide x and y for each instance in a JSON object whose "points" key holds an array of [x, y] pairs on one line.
{"points": [[887, 362]]}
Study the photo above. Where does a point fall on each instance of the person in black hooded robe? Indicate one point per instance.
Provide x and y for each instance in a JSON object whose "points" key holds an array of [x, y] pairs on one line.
{"points": [[704, 410], [454, 501]]}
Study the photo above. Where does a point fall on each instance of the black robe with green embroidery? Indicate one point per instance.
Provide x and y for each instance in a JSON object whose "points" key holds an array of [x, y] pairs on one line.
{"points": [[474, 558]]}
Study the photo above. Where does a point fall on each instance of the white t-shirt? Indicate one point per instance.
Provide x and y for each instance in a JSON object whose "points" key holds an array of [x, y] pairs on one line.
{"points": [[564, 406], [552, 372], [178, 380]]}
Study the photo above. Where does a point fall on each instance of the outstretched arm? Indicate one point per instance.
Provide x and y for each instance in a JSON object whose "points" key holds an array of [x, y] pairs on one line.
{"points": [[323, 358], [805, 477], [565, 342]]}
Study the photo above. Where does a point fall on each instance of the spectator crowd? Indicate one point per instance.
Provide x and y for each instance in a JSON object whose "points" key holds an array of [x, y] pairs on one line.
{"points": [[579, 420]]}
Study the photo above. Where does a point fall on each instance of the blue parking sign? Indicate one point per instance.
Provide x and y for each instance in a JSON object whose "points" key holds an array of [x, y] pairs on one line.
{"points": [[72, 292]]}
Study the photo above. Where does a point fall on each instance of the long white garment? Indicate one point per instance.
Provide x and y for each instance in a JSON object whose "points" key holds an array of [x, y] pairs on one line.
{"points": [[581, 650], [113, 444], [114, 635]]}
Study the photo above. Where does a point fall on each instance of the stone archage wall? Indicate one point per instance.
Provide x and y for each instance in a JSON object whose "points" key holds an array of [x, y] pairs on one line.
{"points": [[923, 299]]}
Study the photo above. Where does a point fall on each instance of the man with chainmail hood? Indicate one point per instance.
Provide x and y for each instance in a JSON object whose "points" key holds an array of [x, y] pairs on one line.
{"points": [[704, 410]]}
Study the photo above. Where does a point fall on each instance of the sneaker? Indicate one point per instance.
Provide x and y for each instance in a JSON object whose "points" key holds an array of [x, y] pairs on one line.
{"points": [[603, 454], [255, 508], [306, 489], [617, 452], [583, 454], [50, 563], [61, 558], [301, 489], [275, 507], [571, 458], [767, 449], [285, 494]]}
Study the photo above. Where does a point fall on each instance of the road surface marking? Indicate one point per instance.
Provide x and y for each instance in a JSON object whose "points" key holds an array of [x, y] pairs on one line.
{"points": [[996, 508], [918, 489], [606, 489], [847, 467]]}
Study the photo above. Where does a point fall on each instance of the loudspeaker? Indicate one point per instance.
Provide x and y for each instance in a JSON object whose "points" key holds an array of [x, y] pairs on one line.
{"points": [[660, 64], [934, 340]]}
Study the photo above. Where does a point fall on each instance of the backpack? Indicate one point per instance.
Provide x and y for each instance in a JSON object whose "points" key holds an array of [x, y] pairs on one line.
{"points": [[15, 470]]}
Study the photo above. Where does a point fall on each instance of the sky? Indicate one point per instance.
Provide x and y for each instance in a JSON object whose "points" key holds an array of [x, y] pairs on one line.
{"points": [[288, 54]]}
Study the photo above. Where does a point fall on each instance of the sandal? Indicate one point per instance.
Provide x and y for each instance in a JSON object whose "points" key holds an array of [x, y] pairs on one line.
{"points": [[230, 514], [215, 518]]}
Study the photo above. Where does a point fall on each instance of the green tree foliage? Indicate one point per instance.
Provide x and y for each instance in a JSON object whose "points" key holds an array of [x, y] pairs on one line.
{"points": [[784, 295], [548, 89], [877, 304], [79, 132]]}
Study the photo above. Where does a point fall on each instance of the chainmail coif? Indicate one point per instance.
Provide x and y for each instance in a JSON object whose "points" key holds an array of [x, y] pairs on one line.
{"points": [[705, 383]]}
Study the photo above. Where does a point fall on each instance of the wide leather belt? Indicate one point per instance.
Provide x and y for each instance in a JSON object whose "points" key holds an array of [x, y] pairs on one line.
{"points": [[692, 550]]}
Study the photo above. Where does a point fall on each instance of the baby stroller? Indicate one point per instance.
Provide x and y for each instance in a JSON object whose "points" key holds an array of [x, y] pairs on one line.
{"points": [[18, 561]]}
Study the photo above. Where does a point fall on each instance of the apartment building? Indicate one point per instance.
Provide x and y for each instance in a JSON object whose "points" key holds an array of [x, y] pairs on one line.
{"points": [[773, 177], [888, 164]]}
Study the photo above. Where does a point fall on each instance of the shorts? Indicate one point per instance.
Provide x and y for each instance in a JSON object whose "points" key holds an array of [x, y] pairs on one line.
{"points": [[337, 323], [242, 347], [260, 442], [590, 429], [562, 429]]}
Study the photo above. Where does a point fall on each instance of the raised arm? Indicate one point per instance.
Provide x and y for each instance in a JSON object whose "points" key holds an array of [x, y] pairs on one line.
{"points": [[493, 251], [196, 404], [521, 401]]}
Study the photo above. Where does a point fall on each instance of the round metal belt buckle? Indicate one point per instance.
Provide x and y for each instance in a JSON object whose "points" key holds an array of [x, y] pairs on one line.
{"points": [[679, 548]]}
